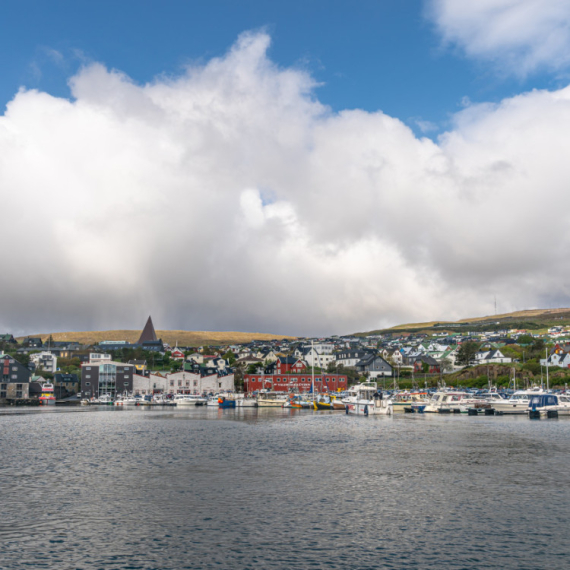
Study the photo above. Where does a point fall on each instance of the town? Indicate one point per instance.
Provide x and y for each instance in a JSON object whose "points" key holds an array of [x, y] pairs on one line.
{"points": [[394, 360]]}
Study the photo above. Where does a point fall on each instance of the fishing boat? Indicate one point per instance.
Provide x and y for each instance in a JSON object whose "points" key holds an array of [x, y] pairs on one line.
{"points": [[365, 400], [225, 402], [47, 398]]}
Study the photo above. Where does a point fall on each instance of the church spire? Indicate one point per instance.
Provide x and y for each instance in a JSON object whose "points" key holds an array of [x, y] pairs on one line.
{"points": [[148, 333]]}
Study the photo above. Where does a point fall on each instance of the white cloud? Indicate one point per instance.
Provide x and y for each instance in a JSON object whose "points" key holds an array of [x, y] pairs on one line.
{"points": [[520, 36], [230, 198]]}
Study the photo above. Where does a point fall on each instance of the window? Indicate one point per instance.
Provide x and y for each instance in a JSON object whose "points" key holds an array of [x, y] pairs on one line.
{"points": [[88, 376], [88, 368], [180, 382], [87, 383], [172, 382], [125, 383], [14, 376], [14, 369]]}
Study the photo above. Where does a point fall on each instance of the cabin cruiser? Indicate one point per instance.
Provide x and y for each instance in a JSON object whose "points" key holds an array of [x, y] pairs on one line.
{"points": [[267, 399], [451, 401], [518, 402], [188, 399], [548, 404], [365, 400]]}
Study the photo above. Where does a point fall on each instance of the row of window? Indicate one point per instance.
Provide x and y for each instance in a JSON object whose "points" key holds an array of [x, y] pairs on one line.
{"points": [[293, 379], [89, 384]]}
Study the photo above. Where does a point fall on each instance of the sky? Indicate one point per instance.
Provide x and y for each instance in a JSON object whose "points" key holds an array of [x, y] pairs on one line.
{"points": [[303, 168]]}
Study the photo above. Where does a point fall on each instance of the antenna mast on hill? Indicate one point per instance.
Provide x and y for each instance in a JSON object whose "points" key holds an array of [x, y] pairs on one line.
{"points": [[495, 305]]}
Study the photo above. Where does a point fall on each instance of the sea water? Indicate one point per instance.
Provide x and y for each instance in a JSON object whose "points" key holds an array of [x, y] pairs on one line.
{"points": [[110, 488]]}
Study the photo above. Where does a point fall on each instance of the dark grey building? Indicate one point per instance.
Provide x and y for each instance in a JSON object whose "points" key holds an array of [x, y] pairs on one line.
{"points": [[375, 366], [14, 379], [106, 378]]}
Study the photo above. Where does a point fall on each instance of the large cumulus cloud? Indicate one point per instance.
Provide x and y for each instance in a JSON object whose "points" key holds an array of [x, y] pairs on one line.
{"points": [[231, 198]]}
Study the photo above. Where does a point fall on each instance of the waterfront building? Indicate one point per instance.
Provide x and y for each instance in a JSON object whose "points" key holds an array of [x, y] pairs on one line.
{"points": [[295, 382], [14, 379], [107, 377]]}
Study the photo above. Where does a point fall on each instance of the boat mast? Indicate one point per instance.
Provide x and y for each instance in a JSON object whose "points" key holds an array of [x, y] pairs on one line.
{"points": [[313, 369], [546, 352]]}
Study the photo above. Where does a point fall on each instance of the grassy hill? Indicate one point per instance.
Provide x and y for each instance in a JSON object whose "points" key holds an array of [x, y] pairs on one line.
{"points": [[183, 338], [532, 319]]}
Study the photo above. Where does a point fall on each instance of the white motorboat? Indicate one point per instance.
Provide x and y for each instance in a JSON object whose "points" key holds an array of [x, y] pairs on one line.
{"points": [[518, 402], [188, 399], [365, 400], [269, 399], [130, 401], [104, 399], [451, 401], [212, 402], [243, 402]]}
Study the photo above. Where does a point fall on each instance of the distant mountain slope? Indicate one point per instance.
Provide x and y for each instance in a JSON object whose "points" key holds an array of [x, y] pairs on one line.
{"points": [[531, 318], [183, 338]]}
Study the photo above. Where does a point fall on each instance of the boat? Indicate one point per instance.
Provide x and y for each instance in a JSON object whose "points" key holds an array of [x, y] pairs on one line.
{"points": [[47, 398], [547, 405], [271, 399], [212, 401], [328, 403], [403, 400], [451, 401], [243, 402], [104, 399], [518, 402], [226, 402], [188, 399], [365, 400], [130, 401]]}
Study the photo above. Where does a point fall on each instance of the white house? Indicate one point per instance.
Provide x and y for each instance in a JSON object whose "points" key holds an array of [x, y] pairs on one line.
{"points": [[45, 361], [492, 357]]}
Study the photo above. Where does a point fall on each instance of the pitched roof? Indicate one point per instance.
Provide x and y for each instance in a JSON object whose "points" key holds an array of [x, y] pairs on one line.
{"points": [[148, 334]]}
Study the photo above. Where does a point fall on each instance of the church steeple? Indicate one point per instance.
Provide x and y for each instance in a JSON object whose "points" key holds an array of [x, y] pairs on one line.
{"points": [[148, 333]]}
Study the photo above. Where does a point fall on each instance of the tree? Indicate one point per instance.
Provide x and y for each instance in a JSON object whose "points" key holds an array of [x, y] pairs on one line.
{"points": [[467, 352], [525, 339], [175, 366], [230, 357]]}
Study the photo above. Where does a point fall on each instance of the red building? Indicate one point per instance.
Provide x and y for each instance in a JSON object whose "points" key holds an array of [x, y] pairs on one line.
{"points": [[286, 364], [294, 382]]}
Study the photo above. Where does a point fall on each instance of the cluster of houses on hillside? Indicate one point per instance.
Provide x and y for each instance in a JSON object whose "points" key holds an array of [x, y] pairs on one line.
{"points": [[282, 364]]}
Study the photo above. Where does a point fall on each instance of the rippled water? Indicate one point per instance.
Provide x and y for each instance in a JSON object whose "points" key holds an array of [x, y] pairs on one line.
{"points": [[207, 488]]}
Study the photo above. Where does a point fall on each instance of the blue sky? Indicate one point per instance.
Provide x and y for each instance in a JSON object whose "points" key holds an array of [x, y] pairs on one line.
{"points": [[176, 159], [374, 55]]}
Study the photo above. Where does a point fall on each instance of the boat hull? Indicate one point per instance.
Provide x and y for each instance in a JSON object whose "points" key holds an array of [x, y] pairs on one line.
{"points": [[369, 408]]}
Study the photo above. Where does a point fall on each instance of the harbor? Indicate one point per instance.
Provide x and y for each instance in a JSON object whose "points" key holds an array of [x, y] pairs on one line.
{"points": [[189, 487]]}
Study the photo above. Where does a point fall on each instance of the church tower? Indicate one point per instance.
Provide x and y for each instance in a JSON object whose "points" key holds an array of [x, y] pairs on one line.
{"points": [[148, 334]]}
